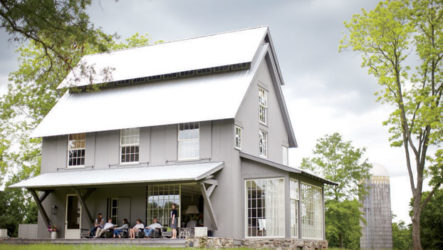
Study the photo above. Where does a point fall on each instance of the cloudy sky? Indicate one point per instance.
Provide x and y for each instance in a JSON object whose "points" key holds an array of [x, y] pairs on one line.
{"points": [[326, 91]]}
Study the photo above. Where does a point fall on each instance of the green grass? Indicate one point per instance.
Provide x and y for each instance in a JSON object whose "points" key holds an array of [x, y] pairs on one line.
{"points": [[83, 247]]}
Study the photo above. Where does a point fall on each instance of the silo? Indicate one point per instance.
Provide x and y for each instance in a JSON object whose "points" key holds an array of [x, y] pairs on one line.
{"points": [[377, 233]]}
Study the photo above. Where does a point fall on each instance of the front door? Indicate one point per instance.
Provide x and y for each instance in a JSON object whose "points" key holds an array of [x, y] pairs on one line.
{"points": [[73, 217]]}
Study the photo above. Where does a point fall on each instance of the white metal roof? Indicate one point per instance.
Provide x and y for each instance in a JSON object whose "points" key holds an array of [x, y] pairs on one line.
{"points": [[204, 98], [172, 57], [123, 175]]}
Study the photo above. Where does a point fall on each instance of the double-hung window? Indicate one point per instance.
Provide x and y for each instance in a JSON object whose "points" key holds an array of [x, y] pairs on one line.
{"points": [[76, 150], [263, 105], [188, 141], [263, 143], [238, 136], [129, 145]]}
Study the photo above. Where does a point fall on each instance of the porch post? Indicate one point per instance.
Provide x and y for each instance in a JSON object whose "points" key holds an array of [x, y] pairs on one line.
{"points": [[39, 201], [82, 199], [207, 192]]}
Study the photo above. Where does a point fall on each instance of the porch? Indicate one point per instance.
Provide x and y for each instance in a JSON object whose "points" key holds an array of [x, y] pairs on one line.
{"points": [[70, 199], [178, 243]]}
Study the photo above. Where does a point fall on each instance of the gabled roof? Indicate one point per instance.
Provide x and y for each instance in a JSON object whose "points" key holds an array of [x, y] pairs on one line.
{"points": [[209, 97], [124, 175], [179, 56]]}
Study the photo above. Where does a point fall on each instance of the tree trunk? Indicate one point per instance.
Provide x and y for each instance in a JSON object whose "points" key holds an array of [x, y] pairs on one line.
{"points": [[416, 243], [340, 239]]}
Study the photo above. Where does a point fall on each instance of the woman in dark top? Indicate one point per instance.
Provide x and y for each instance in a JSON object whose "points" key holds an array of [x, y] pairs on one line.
{"points": [[174, 215]]}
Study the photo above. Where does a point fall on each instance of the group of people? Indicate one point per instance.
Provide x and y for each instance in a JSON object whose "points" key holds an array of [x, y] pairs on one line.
{"points": [[100, 227]]}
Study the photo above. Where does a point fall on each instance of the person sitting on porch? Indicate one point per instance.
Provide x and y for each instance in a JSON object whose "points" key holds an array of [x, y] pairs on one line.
{"points": [[151, 228], [119, 230], [108, 226], [134, 230], [99, 223]]}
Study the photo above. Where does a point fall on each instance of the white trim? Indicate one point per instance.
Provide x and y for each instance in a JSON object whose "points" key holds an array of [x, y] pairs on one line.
{"points": [[68, 234], [67, 154], [240, 137], [246, 208], [129, 145], [188, 140], [265, 140], [263, 105]]}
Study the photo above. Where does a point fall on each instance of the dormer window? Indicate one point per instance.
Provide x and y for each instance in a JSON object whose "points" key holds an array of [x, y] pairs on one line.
{"points": [[188, 141], [263, 143], [76, 150], [129, 145], [263, 106]]}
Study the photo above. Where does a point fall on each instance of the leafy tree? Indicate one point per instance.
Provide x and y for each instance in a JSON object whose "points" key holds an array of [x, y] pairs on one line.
{"points": [[401, 236], [339, 161], [402, 46], [432, 222], [61, 28], [343, 223], [32, 93]]}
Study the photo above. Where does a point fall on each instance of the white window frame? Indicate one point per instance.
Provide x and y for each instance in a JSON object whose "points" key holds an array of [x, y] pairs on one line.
{"points": [[134, 144], [320, 211], [262, 105], [111, 206], [285, 155], [263, 143], [246, 209], [238, 132], [295, 197], [69, 149], [197, 140]]}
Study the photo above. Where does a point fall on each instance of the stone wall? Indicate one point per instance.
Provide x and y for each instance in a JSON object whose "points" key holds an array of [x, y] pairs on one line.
{"points": [[27, 231], [214, 242]]}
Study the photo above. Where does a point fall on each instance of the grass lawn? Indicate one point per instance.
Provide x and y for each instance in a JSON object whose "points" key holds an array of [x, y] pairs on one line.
{"points": [[82, 247]]}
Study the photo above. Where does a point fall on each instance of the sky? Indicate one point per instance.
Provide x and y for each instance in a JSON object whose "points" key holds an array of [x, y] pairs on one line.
{"points": [[326, 91]]}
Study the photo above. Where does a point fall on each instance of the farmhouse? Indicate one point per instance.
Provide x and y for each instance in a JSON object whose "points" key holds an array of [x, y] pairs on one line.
{"points": [[201, 123]]}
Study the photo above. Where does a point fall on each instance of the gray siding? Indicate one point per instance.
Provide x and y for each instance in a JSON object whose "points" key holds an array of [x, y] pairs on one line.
{"points": [[247, 117]]}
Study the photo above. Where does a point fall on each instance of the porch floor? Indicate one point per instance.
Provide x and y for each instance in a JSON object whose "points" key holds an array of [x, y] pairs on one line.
{"points": [[145, 242]]}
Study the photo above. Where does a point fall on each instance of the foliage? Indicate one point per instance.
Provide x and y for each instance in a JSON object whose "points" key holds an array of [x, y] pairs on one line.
{"points": [[432, 222], [32, 93], [401, 236], [401, 44], [337, 160], [61, 28], [16, 207], [343, 223]]}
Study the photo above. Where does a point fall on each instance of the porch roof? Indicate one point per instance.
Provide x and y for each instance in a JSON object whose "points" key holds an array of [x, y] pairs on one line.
{"points": [[122, 175]]}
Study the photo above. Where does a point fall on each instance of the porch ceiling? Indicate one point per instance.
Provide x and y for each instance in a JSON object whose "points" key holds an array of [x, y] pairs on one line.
{"points": [[123, 175]]}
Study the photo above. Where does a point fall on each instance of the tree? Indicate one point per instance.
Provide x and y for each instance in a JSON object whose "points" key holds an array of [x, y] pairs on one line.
{"points": [[402, 46], [60, 27], [32, 93], [339, 161], [401, 236], [432, 222]]}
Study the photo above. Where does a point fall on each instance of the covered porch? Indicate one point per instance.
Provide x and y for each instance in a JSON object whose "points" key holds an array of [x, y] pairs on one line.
{"points": [[71, 198]]}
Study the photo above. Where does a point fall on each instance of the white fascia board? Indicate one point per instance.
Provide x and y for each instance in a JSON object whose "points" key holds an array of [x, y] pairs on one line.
{"points": [[122, 175]]}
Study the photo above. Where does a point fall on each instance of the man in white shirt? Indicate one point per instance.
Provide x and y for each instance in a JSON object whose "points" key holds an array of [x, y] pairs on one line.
{"points": [[151, 228], [107, 226]]}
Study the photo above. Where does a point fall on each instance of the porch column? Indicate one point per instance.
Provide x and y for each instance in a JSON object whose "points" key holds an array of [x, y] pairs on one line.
{"points": [[38, 201], [82, 198], [207, 187]]}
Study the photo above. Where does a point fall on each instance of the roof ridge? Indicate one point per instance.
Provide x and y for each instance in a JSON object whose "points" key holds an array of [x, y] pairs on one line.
{"points": [[178, 40]]}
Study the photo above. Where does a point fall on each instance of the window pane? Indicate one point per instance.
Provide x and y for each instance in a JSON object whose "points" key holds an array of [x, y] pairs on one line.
{"points": [[189, 141], [129, 143], [311, 211], [160, 198], [266, 207]]}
